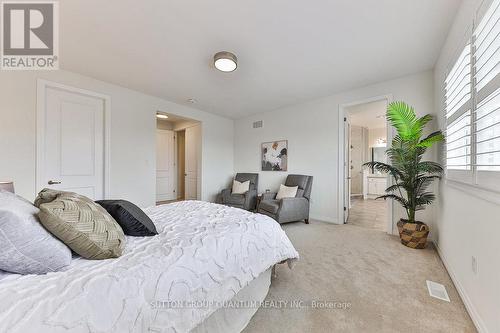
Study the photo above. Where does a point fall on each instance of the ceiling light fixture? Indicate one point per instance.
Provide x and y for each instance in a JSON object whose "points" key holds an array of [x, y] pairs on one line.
{"points": [[225, 61], [160, 115]]}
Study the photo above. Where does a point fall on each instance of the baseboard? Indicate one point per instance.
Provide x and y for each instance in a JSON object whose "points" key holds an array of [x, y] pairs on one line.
{"points": [[476, 319]]}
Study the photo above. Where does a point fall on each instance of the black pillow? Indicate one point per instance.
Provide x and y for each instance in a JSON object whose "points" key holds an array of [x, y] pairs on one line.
{"points": [[131, 218]]}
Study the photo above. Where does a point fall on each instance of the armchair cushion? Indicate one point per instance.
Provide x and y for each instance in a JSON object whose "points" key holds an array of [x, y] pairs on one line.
{"points": [[270, 206], [287, 192], [268, 196], [240, 187], [235, 199]]}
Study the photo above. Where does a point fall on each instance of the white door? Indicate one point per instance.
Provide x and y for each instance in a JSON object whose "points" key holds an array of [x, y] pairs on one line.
{"points": [[72, 153], [193, 136], [165, 189], [347, 168]]}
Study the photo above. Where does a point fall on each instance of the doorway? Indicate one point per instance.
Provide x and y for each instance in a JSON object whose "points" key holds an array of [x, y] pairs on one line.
{"points": [[178, 158], [364, 138]]}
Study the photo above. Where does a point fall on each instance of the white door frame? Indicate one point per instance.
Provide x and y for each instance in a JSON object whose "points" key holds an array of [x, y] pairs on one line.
{"points": [[342, 107], [42, 86]]}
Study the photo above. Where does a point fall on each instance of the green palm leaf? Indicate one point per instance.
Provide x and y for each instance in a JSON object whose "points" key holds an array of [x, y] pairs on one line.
{"points": [[399, 199], [383, 167], [431, 139], [424, 199], [429, 167], [402, 117]]}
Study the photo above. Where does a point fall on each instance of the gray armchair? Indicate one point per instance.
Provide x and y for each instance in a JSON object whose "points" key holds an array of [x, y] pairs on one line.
{"points": [[289, 209], [246, 201]]}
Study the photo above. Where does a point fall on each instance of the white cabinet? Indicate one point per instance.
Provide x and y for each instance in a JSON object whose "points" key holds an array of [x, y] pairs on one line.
{"points": [[376, 186]]}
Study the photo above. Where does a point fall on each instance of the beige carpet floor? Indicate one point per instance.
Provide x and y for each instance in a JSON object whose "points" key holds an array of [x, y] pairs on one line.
{"points": [[383, 281]]}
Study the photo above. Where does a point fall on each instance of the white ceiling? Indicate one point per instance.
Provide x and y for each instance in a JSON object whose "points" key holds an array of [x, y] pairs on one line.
{"points": [[370, 115], [288, 51]]}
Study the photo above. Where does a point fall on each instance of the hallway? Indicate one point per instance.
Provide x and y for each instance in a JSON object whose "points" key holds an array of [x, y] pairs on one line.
{"points": [[370, 213]]}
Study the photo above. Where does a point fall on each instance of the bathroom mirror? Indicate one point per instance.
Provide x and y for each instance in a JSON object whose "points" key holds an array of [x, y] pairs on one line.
{"points": [[378, 155]]}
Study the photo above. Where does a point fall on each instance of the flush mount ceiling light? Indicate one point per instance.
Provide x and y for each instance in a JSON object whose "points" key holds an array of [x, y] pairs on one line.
{"points": [[160, 115], [225, 61]]}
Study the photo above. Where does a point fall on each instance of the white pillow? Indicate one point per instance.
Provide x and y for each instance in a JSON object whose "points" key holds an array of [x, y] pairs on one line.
{"points": [[240, 188], [287, 192], [26, 247]]}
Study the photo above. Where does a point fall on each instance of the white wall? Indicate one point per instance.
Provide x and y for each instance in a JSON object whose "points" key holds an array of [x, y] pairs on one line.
{"points": [[312, 133], [467, 225], [133, 123]]}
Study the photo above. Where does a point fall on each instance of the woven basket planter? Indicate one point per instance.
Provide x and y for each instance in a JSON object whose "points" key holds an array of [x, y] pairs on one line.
{"points": [[413, 235]]}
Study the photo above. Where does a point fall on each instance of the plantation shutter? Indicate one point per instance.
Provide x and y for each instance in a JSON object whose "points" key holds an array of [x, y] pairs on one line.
{"points": [[458, 106], [486, 69]]}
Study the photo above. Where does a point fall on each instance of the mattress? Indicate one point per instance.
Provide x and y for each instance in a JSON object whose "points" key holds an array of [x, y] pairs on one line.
{"points": [[202, 257]]}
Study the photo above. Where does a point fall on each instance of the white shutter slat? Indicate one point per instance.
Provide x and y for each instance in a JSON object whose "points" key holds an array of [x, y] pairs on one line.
{"points": [[458, 149], [487, 134], [458, 84], [486, 52]]}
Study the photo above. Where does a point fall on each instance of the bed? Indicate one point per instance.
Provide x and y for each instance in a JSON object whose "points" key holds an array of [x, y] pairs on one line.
{"points": [[204, 256]]}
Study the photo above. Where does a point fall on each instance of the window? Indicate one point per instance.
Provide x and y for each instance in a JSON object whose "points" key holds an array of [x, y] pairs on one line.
{"points": [[472, 105]]}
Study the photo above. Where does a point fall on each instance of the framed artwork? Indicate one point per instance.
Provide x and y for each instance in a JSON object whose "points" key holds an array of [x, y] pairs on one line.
{"points": [[275, 156]]}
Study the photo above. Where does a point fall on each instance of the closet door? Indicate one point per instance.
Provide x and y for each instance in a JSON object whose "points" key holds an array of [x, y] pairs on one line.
{"points": [[165, 165]]}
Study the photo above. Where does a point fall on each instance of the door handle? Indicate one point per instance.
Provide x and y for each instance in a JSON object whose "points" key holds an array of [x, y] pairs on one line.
{"points": [[54, 182]]}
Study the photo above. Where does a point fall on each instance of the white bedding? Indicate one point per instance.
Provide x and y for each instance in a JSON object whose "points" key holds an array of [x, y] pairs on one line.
{"points": [[204, 252]]}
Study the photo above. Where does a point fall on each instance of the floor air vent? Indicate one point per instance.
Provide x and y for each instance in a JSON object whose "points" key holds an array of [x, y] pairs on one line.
{"points": [[437, 290]]}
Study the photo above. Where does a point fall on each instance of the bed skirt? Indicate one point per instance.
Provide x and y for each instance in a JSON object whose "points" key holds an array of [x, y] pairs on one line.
{"points": [[234, 320]]}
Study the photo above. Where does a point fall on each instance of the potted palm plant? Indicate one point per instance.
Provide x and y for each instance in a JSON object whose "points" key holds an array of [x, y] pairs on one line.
{"points": [[411, 175]]}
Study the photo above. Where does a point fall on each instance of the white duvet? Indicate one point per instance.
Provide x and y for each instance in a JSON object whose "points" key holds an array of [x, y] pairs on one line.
{"points": [[204, 252]]}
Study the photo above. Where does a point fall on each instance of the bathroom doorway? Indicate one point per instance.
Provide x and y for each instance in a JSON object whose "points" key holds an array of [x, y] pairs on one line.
{"points": [[365, 139]]}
